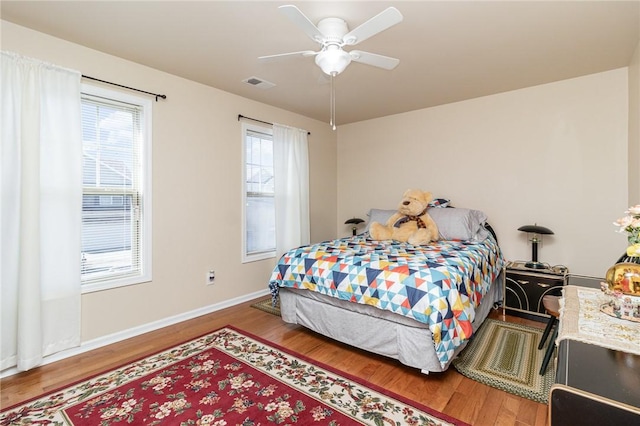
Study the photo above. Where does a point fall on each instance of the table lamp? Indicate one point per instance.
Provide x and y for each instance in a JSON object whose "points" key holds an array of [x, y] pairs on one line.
{"points": [[354, 222], [536, 236]]}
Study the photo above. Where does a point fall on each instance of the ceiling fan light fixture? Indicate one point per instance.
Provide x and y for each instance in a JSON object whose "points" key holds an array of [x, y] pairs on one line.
{"points": [[333, 33], [333, 60]]}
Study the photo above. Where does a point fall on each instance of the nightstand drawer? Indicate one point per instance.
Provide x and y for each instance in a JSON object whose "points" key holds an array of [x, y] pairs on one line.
{"points": [[524, 290]]}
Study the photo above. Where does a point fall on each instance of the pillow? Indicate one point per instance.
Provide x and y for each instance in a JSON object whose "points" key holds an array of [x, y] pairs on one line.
{"points": [[380, 216], [460, 224], [439, 202], [453, 223]]}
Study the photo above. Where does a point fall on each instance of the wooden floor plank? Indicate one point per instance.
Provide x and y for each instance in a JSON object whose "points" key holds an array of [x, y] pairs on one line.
{"points": [[448, 392], [490, 408]]}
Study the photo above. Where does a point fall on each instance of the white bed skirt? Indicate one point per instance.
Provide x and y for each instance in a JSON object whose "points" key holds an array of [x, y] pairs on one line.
{"points": [[374, 330]]}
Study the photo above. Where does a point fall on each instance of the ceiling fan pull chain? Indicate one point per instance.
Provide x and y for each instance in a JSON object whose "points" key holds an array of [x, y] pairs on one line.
{"points": [[331, 100], [333, 103]]}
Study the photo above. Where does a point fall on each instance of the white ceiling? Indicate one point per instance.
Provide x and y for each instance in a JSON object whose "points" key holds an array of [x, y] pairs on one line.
{"points": [[448, 50]]}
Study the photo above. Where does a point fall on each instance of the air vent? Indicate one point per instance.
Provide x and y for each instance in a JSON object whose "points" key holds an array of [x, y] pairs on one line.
{"points": [[258, 82]]}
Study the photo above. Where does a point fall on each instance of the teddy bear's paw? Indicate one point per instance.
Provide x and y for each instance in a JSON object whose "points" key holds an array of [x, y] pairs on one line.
{"points": [[379, 232], [417, 241]]}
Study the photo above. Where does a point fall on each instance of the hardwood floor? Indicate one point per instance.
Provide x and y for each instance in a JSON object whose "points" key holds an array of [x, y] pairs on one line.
{"points": [[448, 392]]}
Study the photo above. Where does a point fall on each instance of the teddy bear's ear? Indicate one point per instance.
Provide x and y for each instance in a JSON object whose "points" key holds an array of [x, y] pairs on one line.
{"points": [[427, 196]]}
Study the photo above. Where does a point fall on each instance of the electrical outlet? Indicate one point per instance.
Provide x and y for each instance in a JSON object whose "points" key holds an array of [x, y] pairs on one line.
{"points": [[211, 277]]}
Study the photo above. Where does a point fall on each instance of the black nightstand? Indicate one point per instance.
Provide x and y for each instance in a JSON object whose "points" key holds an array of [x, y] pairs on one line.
{"points": [[594, 385], [525, 287]]}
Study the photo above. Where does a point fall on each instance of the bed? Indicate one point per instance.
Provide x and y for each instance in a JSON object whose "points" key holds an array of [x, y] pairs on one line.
{"points": [[417, 304]]}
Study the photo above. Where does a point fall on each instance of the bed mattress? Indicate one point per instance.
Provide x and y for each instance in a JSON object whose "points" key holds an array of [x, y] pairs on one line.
{"points": [[375, 330]]}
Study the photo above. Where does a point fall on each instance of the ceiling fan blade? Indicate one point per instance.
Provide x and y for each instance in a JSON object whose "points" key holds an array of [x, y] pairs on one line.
{"points": [[303, 53], [375, 60], [383, 20], [301, 20]]}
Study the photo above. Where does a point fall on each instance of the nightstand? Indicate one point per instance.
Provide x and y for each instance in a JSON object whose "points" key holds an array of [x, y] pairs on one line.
{"points": [[525, 287]]}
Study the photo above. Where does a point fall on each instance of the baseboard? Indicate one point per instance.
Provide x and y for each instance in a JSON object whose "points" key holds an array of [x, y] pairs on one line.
{"points": [[136, 331]]}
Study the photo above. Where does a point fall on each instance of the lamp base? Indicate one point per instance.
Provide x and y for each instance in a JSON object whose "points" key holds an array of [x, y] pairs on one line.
{"points": [[535, 265]]}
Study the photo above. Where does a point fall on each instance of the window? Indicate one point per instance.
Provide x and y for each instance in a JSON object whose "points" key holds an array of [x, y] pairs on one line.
{"points": [[116, 200], [259, 224]]}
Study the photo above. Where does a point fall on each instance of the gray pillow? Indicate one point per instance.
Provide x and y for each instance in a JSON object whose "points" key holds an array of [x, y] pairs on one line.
{"points": [[460, 224], [380, 216]]}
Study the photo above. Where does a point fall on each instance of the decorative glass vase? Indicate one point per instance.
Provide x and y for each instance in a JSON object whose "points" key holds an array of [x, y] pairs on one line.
{"points": [[622, 291], [625, 258], [624, 278]]}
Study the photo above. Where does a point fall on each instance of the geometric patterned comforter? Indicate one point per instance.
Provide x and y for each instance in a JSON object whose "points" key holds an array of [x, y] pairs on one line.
{"points": [[440, 284]]}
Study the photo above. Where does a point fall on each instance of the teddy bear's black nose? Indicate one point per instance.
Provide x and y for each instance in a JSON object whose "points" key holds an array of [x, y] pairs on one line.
{"points": [[406, 203]]}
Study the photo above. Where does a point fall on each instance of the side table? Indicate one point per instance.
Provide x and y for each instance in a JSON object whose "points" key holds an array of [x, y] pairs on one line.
{"points": [[596, 382], [595, 386]]}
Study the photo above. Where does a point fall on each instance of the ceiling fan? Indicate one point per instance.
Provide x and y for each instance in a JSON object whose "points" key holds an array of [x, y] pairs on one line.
{"points": [[333, 34]]}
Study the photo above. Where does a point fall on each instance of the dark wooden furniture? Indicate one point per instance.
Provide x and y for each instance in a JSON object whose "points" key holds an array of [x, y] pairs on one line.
{"points": [[583, 280], [525, 288], [552, 306], [594, 385]]}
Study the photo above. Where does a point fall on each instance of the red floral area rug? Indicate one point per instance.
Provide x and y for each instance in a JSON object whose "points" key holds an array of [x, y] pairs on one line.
{"points": [[228, 377]]}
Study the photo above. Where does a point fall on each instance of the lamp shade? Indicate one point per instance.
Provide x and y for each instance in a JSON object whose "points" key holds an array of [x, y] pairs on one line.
{"points": [[355, 221], [536, 229]]}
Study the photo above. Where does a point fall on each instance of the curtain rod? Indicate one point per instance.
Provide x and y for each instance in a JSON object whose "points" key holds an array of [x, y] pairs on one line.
{"points": [[259, 121], [126, 87]]}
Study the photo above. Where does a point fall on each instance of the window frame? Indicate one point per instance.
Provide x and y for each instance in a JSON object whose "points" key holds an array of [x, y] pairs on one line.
{"points": [[144, 194], [251, 257]]}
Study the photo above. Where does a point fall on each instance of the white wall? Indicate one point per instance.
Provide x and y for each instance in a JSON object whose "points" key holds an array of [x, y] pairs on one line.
{"points": [[634, 127], [196, 188], [554, 154]]}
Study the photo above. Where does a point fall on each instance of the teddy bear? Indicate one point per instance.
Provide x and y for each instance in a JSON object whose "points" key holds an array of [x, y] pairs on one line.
{"points": [[411, 223]]}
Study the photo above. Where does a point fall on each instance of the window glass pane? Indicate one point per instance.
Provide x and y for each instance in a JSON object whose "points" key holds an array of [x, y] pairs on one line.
{"points": [[253, 179], [110, 143], [267, 181], [255, 150], [261, 224], [266, 153]]}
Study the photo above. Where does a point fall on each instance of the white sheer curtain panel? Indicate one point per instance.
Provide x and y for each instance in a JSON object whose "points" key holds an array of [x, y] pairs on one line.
{"points": [[40, 210], [291, 169]]}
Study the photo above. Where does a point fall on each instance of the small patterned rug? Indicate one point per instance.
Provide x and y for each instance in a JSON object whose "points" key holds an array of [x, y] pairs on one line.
{"points": [[506, 356], [265, 305], [227, 377]]}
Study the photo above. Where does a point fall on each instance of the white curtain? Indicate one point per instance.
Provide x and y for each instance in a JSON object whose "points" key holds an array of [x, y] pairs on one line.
{"points": [[291, 169], [40, 210]]}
